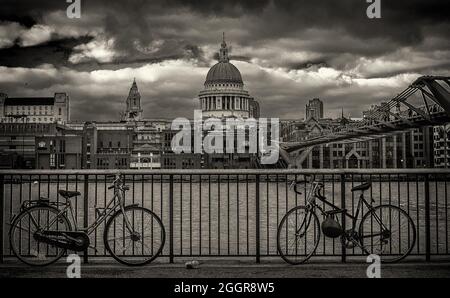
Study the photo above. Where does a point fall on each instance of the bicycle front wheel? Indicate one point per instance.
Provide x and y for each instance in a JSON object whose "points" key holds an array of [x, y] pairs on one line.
{"points": [[298, 235], [140, 242], [387, 231]]}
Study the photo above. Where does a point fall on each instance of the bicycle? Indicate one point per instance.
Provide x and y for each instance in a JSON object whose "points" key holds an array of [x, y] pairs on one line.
{"points": [[376, 234], [41, 233]]}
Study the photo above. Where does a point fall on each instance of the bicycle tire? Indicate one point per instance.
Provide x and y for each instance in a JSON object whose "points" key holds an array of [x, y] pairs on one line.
{"points": [[284, 230], [122, 258], [14, 226], [411, 233]]}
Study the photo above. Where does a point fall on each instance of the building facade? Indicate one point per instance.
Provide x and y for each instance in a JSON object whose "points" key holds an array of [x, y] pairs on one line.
{"points": [[314, 109], [18, 143], [54, 109], [441, 142]]}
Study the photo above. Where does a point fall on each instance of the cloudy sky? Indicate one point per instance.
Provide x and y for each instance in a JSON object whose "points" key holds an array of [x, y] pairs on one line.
{"points": [[287, 51]]}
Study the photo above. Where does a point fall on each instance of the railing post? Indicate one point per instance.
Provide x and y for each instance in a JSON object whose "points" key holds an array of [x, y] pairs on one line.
{"points": [[85, 212], [427, 219], [2, 216], [171, 218], [343, 249], [258, 246]]}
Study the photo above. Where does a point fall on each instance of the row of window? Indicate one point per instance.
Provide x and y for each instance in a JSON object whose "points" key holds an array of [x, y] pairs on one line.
{"points": [[110, 144], [224, 103], [30, 119], [224, 85], [16, 108], [10, 110], [117, 162]]}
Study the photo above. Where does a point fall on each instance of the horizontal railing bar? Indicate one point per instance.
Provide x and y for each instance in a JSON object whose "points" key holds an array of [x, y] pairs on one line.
{"points": [[229, 172]]}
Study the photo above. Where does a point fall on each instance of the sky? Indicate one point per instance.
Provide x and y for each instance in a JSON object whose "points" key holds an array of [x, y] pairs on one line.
{"points": [[288, 52]]}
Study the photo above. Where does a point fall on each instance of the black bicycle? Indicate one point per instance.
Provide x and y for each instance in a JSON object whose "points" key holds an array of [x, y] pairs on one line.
{"points": [[42, 232], [385, 230]]}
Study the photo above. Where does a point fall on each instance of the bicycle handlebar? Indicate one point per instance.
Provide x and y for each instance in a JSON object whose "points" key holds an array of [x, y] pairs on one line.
{"points": [[117, 179]]}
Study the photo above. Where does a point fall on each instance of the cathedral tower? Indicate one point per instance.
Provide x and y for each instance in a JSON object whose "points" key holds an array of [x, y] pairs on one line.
{"points": [[133, 111]]}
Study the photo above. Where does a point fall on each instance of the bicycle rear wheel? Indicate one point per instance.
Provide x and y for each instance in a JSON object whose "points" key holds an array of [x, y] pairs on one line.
{"points": [[387, 231], [138, 246], [298, 235], [23, 242]]}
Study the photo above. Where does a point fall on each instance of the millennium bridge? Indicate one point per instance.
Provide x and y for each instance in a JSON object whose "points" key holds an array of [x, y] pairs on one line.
{"points": [[401, 113]]}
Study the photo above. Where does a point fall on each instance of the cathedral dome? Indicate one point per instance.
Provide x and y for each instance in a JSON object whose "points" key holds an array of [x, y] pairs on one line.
{"points": [[223, 72]]}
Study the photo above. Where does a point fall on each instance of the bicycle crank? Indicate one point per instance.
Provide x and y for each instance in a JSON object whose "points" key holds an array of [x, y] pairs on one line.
{"points": [[349, 239], [77, 241]]}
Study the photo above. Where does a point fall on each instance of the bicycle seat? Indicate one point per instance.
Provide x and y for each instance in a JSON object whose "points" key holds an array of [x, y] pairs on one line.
{"points": [[362, 187], [68, 193]]}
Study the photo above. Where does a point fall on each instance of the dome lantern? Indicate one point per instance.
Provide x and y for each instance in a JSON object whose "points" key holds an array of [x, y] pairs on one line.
{"points": [[223, 72], [223, 54]]}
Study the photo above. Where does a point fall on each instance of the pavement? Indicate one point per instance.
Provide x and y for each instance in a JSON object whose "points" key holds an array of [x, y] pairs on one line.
{"points": [[232, 269]]}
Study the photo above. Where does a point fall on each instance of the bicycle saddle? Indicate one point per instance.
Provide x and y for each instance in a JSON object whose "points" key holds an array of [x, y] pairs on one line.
{"points": [[362, 187], [68, 193]]}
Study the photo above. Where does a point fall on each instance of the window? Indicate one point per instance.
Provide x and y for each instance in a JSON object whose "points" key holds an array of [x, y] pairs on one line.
{"points": [[59, 111], [118, 144], [52, 160]]}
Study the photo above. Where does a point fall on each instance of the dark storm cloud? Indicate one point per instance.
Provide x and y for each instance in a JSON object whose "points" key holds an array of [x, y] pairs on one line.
{"points": [[55, 52], [141, 21], [288, 51]]}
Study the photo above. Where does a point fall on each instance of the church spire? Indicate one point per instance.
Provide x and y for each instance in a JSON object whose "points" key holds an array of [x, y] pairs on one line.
{"points": [[223, 53], [133, 110]]}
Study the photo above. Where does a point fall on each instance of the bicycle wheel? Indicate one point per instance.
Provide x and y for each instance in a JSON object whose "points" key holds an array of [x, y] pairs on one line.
{"points": [[26, 224], [298, 235], [387, 231], [138, 246]]}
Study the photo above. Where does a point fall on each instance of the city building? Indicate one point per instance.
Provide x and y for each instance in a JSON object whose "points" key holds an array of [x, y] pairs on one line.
{"points": [[314, 109], [409, 149], [59, 151], [148, 143], [105, 145], [171, 160], [35, 109], [441, 136], [18, 142], [224, 94]]}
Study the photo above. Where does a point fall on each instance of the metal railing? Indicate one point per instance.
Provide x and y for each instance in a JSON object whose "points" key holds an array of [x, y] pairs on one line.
{"points": [[234, 213]]}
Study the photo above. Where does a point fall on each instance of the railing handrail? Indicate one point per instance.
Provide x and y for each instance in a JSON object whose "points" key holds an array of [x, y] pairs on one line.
{"points": [[225, 171]]}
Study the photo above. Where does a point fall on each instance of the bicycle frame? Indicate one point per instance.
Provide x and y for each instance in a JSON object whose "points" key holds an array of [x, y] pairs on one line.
{"points": [[110, 208], [314, 193]]}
